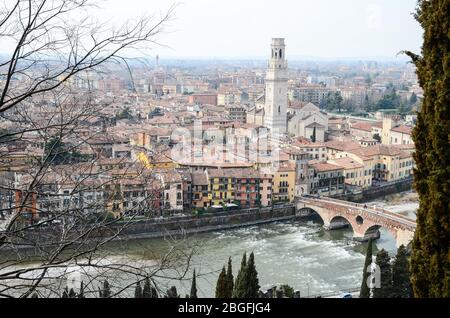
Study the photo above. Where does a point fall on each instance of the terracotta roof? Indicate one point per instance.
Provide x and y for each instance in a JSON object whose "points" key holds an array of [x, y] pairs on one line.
{"points": [[297, 104], [294, 151], [287, 167], [323, 167], [234, 173], [362, 126], [383, 150], [342, 145], [402, 129], [199, 178], [347, 163]]}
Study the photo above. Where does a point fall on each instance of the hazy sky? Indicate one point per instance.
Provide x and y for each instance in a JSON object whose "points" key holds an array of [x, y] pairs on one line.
{"points": [[312, 28]]}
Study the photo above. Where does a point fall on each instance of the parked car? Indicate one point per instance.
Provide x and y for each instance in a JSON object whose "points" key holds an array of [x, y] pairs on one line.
{"points": [[346, 295]]}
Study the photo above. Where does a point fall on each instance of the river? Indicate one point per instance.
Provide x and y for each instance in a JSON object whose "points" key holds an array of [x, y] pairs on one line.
{"points": [[300, 254]]}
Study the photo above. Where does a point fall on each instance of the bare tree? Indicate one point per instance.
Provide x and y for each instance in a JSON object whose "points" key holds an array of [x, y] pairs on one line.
{"points": [[60, 206]]}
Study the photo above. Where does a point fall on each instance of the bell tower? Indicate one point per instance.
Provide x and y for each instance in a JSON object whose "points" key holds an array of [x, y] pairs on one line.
{"points": [[275, 108]]}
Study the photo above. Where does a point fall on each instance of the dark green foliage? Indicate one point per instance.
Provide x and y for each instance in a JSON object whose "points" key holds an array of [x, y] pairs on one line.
{"points": [[252, 278], [383, 262], [81, 293], [149, 291], [287, 290], [35, 295], [72, 293], [413, 99], [334, 101], [172, 293], [57, 152], [368, 107], [65, 293], [68, 293], [313, 137], [193, 287], [105, 292], [401, 285], [430, 259], [365, 289], [239, 289], [377, 137], [390, 100], [138, 290], [247, 283], [125, 114], [230, 280], [222, 284]]}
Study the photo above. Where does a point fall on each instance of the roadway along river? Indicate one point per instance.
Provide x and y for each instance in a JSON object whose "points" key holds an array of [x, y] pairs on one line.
{"points": [[300, 254]]}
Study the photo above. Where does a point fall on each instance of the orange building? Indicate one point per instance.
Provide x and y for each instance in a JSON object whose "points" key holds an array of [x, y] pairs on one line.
{"points": [[26, 204]]}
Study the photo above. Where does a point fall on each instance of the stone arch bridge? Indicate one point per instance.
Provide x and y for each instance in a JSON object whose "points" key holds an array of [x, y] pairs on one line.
{"points": [[365, 220]]}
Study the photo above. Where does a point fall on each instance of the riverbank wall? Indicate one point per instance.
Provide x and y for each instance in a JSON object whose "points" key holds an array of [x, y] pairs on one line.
{"points": [[377, 191], [174, 226], [177, 226]]}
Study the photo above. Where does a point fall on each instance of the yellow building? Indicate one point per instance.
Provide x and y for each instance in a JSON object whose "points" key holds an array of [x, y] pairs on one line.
{"points": [[284, 183], [390, 163], [157, 161], [221, 185], [367, 162], [353, 172]]}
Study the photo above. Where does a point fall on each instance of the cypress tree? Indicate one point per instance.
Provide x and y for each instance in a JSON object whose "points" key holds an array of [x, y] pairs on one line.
{"points": [[154, 292], [413, 99], [65, 293], [149, 291], [384, 263], [401, 285], [230, 280], [365, 289], [138, 290], [193, 287], [240, 284], [430, 261], [105, 292], [81, 294], [287, 290], [252, 281], [72, 293], [222, 284], [172, 293]]}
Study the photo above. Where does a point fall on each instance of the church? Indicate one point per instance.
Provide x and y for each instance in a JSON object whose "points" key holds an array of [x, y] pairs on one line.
{"points": [[307, 120], [271, 109]]}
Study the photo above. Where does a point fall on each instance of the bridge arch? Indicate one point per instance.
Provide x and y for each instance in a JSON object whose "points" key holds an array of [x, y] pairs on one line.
{"points": [[339, 222], [312, 214], [373, 232]]}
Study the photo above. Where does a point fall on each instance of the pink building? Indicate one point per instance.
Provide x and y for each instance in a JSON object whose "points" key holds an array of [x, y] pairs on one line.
{"points": [[203, 99], [265, 189]]}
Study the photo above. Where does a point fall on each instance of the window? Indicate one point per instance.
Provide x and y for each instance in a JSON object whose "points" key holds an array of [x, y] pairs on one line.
{"points": [[281, 53], [279, 109]]}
